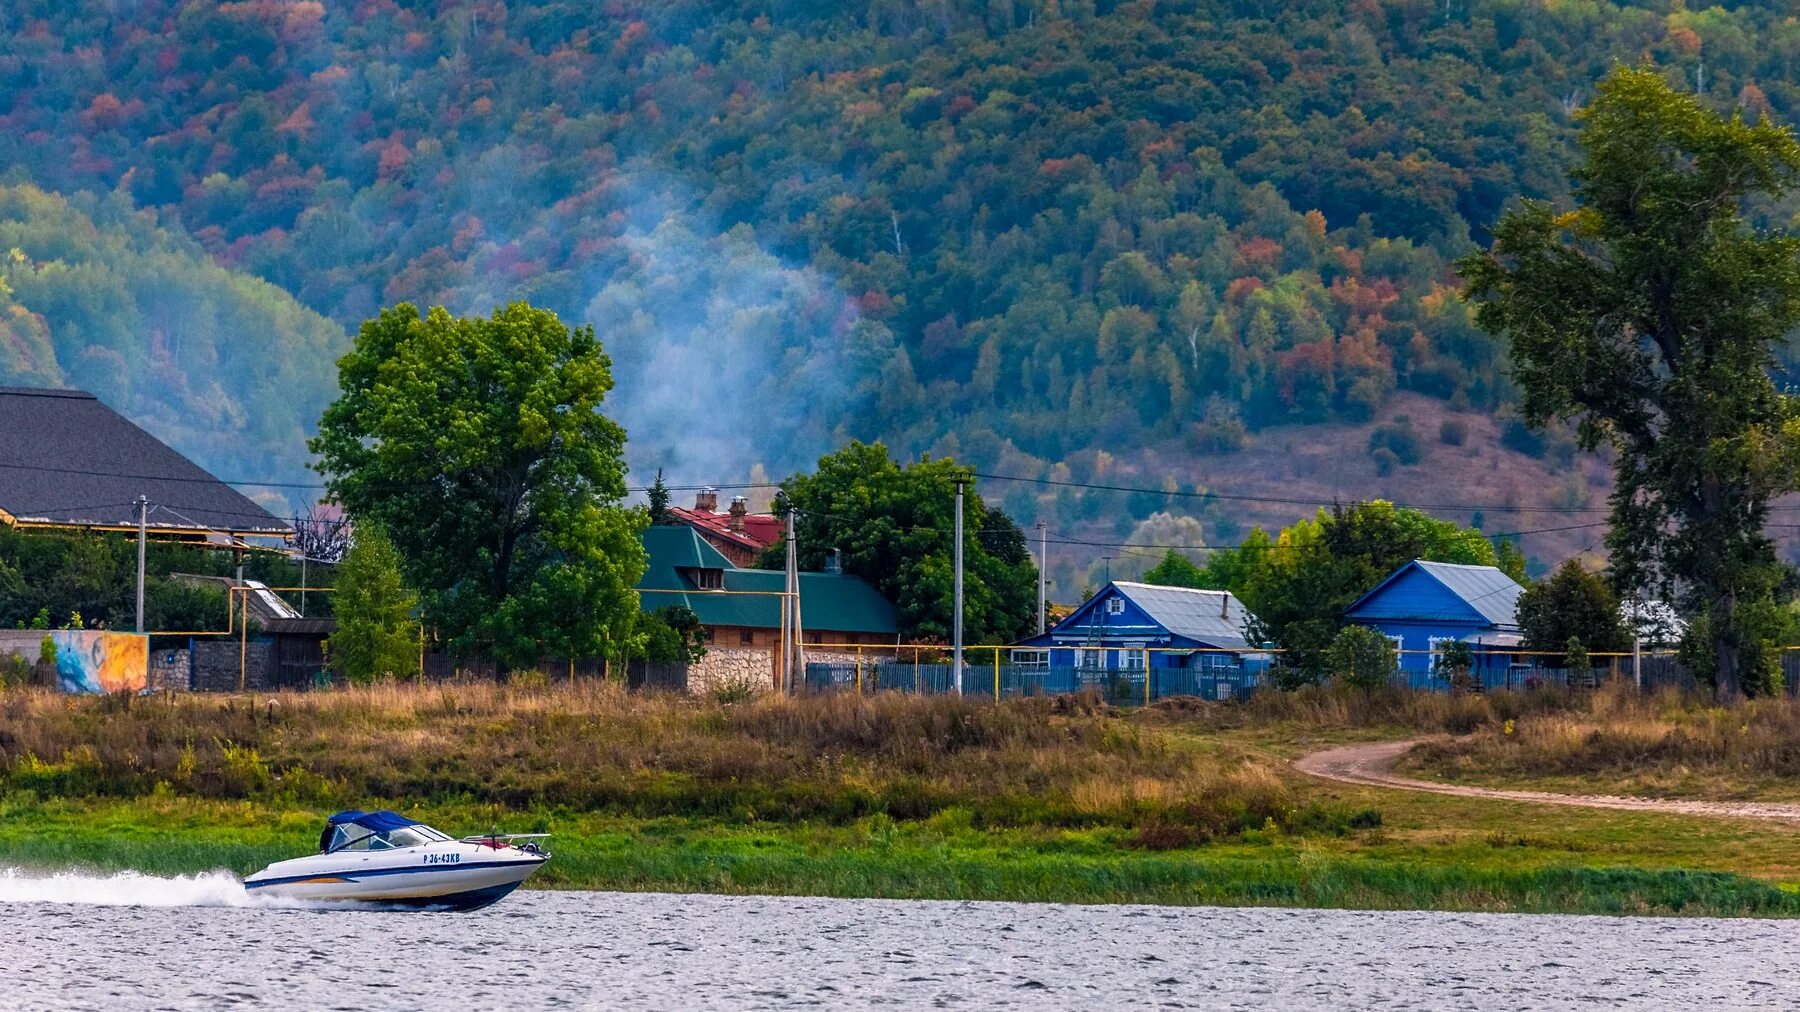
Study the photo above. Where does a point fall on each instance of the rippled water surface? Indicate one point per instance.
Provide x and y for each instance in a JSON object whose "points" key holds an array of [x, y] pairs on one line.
{"points": [[133, 942]]}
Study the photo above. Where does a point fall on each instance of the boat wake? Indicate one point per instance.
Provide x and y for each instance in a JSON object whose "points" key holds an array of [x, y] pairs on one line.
{"points": [[135, 889]]}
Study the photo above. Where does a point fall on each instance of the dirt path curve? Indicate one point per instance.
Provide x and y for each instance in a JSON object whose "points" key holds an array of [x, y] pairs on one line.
{"points": [[1372, 763]]}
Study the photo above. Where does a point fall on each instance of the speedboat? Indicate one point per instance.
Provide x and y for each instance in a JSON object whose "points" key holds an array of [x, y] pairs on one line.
{"points": [[384, 859]]}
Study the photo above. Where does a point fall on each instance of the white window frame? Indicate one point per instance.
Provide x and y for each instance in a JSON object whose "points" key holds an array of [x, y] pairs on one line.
{"points": [[1131, 659], [1090, 657], [1031, 658], [1115, 606]]}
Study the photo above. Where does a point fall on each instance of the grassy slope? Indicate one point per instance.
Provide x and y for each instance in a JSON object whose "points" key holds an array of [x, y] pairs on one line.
{"points": [[1429, 852]]}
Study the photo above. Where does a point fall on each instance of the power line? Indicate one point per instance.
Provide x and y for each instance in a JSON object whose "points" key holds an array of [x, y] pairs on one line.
{"points": [[1437, 539], [1285, 500]]}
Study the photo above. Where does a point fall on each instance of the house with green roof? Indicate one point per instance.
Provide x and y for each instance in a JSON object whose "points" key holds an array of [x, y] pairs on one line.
{"points": [[741, 608]]}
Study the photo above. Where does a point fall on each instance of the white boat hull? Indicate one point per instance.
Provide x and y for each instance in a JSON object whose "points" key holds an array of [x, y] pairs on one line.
{"points": [[449, 875]]}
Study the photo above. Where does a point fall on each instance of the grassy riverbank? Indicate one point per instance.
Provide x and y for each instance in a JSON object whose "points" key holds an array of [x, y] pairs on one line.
{"points": [[892, 797]]}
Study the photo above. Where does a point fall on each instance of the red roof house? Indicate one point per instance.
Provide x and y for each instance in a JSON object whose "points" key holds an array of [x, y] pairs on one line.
{"points": [[737, 533]]}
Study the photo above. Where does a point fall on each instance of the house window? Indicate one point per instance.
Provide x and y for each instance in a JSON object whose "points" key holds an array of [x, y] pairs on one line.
{"points": [[1131, 658], [746, 637], [1218, 659], [709, 579], [1399, 643], [1031, 658], [1090, 658], [1115, 606]]}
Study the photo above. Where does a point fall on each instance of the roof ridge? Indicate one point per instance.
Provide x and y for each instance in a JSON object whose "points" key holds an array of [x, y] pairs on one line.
{"points": [[1459, 565], [1164, 586], [68, 392]]}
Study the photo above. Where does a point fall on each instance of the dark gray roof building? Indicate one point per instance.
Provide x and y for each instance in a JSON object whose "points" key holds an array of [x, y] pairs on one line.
{"points": [[67, 460]]}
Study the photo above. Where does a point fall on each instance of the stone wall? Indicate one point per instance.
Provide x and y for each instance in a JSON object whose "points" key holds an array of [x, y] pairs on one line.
{"points": [[171, 670], [216, 665], [724, 666]]}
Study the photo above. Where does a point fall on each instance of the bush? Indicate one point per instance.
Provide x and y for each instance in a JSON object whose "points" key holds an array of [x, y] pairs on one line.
{"points": [[1517, 436], [1400, 438], [1385, 461], [1453, 664], [1453, 432], [1221, 430], [1361, 657]]}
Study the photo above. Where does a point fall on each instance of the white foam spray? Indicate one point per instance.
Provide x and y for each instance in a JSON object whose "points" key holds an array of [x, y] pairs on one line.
{"points": [[134, 889]]}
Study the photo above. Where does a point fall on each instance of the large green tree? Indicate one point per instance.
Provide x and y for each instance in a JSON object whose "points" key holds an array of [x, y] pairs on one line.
{"points": [[478, 444], [1651, 314], [894, 525]]}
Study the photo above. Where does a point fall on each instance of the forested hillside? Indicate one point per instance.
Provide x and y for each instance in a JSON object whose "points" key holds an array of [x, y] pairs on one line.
{"points": [[1067, 227]]}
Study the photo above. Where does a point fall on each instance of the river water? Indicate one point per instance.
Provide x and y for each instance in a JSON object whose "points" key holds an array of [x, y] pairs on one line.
{"points": [[128, 942]]}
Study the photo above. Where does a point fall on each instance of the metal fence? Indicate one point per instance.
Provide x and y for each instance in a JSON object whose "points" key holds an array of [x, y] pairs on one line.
{"points": [[1005, 681]]}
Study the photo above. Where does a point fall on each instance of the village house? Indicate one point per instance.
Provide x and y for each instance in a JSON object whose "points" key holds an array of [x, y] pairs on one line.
{"points": [[1185, 642], [741, 608], [1423, 605], [737, 533]]}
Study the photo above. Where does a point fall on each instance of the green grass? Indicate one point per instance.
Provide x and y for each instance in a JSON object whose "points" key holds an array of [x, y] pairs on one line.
{"points": [[946, 858]]}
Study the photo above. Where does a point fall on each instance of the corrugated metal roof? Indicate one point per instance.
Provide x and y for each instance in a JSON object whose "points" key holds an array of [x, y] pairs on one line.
{"points": [[1483, 588], [1210, 616]]}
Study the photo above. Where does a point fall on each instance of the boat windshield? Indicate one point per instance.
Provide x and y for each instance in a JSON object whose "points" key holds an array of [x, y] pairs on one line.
{"points": [[357, 838]]}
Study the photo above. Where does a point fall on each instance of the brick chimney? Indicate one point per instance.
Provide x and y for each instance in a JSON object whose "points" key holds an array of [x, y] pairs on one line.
{"points": [[739, 507], [707, 501]]}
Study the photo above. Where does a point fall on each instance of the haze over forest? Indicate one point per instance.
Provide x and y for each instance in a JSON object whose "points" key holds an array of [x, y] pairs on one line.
{"points": [[1189, 246]]}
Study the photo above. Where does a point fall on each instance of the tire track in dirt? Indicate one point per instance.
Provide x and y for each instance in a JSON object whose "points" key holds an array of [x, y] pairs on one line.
{"points": [[1371, 764]]}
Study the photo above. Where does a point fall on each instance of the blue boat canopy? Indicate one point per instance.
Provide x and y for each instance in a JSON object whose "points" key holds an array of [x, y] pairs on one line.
{"points": [[380, 822]]}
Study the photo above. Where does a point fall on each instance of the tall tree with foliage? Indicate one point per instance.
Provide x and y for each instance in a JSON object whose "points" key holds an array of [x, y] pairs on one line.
{"points": [[1572, 603], [479, 445], [894, 526], [377, 634], [1651, 314]]}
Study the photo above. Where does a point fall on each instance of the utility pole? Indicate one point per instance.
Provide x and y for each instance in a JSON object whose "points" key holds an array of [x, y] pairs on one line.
{"points": [[957, 621], [1043, 557], [1637, 644], [143, 516], [791, 662]]}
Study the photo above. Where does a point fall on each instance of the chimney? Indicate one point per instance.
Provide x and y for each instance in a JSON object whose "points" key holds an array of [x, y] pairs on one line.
{"points": [[739, 507], [707, 501], [834, 563]]}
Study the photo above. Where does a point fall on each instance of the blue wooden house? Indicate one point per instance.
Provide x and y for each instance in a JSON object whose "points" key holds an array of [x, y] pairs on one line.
{"points": [[1423, 605], [1135, 637]]}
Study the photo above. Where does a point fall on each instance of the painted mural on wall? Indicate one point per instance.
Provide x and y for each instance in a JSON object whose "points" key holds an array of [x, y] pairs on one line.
{"points": [[88, 660]]}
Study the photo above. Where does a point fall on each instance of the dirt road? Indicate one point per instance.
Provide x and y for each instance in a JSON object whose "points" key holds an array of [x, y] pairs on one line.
{"points": [[1372, 764]]}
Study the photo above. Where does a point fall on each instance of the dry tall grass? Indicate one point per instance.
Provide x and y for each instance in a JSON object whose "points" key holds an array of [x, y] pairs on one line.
{"points": [[592, 746], [1669, 738]]}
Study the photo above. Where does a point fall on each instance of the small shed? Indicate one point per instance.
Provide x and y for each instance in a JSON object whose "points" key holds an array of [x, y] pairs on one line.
{"points": [[1423, 605]]}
